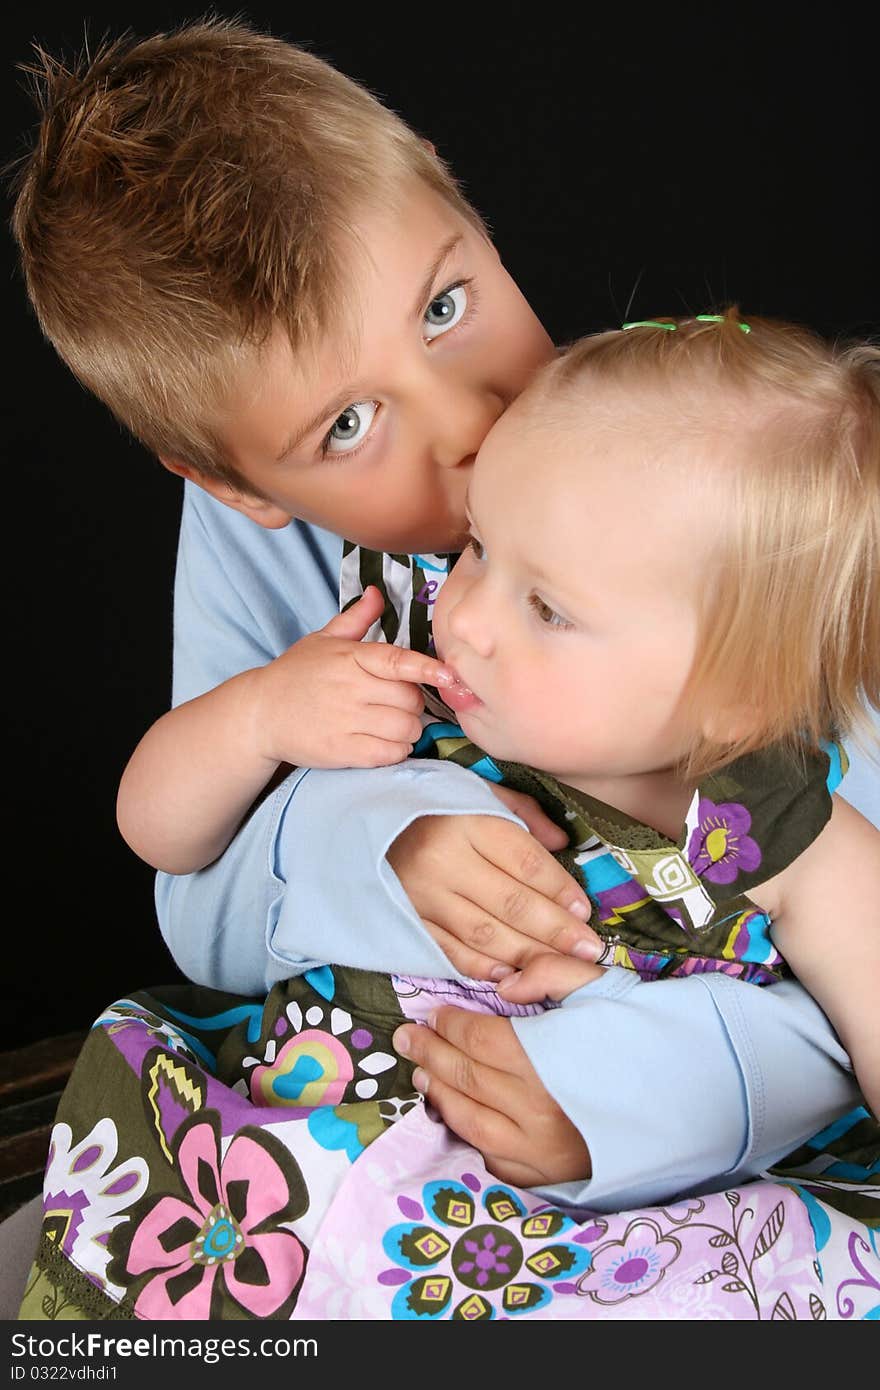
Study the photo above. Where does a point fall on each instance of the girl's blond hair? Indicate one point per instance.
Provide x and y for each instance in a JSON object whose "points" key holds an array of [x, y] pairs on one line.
{"points": [[187, 193], [790, 623]]}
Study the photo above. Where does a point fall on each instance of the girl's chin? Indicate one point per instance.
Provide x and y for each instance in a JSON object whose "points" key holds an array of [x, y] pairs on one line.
{"points": [[478, 728], [471, 724]]}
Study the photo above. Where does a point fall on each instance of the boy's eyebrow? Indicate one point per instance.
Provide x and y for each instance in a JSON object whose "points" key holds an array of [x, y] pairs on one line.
{"points": [[443, 255], [329, 411], [341, 399]]}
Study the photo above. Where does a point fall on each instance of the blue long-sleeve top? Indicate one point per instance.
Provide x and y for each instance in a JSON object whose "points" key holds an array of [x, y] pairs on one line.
{"points": [[677, 1085]]}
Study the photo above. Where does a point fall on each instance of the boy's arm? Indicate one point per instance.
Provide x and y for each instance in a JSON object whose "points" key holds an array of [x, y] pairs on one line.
{"points": [[306, 882], [670, 1087], [667, 1086], [825, 910]]}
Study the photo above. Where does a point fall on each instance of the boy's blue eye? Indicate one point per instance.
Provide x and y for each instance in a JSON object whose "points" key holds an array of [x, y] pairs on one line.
{"points": [[350, 428], [445, 311]]}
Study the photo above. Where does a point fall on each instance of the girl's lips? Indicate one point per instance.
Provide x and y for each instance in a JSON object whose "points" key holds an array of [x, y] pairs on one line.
{"points": [[459, 697]]}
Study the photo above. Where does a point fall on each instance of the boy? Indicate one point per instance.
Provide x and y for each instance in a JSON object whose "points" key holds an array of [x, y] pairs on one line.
{"points": [[255, 267]]}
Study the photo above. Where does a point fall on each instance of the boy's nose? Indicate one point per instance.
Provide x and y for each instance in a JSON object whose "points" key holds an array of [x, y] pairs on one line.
{"points": [[463, 418]]}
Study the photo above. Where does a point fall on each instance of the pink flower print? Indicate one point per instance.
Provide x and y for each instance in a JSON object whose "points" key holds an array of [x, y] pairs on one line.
{"points": [[216, 1245], [719, 848], [488, 1260], [631, 1266]]}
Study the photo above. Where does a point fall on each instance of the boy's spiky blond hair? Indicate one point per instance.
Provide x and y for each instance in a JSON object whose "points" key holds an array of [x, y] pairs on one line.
{"points": [[188, 192], [790, 619]]}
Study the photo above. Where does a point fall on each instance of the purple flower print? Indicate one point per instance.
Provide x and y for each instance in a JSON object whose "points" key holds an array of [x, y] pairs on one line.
{"points": [[720, 848], [631, 1266], [521, 1257], [487, 1259]]}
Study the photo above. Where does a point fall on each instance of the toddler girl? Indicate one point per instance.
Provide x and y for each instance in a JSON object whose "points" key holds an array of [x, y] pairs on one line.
{"points": [[670, 605]]}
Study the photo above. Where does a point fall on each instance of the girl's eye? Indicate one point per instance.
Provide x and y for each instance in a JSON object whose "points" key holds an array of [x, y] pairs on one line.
{"points": [[547, 615], [445, 311], [476, 547], [350, 428]]}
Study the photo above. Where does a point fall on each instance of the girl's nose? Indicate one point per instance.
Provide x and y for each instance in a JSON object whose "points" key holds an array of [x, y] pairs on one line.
{"points": [[470, 620]]}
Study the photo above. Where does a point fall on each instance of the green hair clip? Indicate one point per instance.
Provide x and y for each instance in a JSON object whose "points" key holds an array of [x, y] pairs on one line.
{"points": [[650, 323], [719, 318], [671, 327]]}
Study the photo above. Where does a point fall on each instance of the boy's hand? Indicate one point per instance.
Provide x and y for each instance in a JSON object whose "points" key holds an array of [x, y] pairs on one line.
{"points": [[491, 896], [474, 1071], [333, 700]]}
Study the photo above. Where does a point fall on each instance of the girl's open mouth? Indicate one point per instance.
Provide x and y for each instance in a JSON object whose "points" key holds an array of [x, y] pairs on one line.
{"points": [[459, 697]]}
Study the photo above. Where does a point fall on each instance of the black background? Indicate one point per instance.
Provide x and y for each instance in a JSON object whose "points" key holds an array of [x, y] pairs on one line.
{"points": [[627, 167]]}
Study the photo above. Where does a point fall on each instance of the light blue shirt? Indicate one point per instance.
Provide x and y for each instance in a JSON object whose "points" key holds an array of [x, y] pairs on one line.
{"points": [[679, 1085]]}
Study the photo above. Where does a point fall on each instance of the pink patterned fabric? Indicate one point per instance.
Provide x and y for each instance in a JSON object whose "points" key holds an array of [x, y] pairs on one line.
{"points": [[418, 1220]]}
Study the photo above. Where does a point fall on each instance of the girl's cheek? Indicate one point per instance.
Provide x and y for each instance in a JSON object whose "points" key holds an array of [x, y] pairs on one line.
{"points": [[448, 595], [438, 623]]}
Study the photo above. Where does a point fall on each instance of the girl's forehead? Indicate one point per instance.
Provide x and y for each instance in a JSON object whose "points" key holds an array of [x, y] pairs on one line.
{"points": [[609, 498]]}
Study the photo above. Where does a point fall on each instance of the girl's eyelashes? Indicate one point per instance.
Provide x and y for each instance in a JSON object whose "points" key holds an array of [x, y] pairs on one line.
{"points": [[547, 615], [452, 308]]}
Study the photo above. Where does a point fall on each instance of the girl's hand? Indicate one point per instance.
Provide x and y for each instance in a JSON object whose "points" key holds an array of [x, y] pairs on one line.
{"points": [[549, 976], [333, 700]]}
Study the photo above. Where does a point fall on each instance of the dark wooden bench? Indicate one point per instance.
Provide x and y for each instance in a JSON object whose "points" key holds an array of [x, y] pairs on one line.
{"points": [[31, 1081]]}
